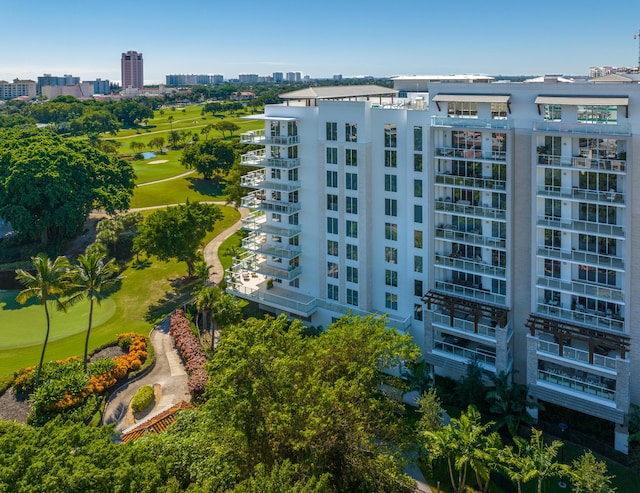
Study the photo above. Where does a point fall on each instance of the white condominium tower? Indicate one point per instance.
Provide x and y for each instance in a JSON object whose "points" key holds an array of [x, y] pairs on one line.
{"points": [[494, 222]]}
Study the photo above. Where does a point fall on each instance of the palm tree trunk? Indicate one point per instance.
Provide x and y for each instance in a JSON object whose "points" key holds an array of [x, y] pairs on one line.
{"points": [[46, 339], [86, 340], [453, 482]]}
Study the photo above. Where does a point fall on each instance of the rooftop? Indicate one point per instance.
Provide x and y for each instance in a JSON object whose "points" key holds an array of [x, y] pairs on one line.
{"points": [[340, 92]]}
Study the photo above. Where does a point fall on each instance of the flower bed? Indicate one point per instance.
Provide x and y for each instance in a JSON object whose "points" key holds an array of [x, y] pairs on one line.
{"points": [[191, 352]]}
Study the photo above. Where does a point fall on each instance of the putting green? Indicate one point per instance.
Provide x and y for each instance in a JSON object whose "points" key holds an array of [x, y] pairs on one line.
{"points": [[25, 325]]}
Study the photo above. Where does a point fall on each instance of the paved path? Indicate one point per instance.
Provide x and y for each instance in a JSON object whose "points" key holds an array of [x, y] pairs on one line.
{"points": [[216, 274], [182, 175]]}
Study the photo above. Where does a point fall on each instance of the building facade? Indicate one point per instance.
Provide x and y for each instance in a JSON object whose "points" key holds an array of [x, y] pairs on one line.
{"points": [[132, 70], [493, 222], [17, 88]]}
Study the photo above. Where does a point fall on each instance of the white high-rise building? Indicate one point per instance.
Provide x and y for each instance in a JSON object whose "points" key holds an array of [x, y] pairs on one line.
{"points": [[493, 222]]}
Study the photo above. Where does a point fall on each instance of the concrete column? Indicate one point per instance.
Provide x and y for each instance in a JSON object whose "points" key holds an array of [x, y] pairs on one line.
{"points": [[502, 350], [621, 438], [532, 360]]}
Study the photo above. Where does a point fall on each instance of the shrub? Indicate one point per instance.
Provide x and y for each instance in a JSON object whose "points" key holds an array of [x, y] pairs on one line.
{"points": [[191, 352], [144, 396]]}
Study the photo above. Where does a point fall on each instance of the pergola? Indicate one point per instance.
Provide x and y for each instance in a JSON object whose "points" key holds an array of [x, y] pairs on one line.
{"points": [[474, 309]]}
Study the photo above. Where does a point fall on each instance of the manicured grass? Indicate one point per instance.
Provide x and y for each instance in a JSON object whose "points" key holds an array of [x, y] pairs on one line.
{"points": [[146, 172], [25, 325], [177, 191], [234, 241]]}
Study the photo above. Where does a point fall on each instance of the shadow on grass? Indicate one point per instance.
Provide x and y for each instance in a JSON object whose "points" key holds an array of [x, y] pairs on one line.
{"points": [[212, 188], [181, 292], [141, 264]]}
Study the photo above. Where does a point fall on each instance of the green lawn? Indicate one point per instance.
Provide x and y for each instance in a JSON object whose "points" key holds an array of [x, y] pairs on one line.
{"points": [[234, 241], [147, 172], [191, 187]]}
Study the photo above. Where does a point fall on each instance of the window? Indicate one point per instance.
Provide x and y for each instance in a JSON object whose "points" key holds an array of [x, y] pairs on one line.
{"points": [[352, 274], [332, 202], [293, 197], [351, 157], [390, 135], [552, 268], [352, 252], [391, 255], [417, 162], [553, 209], [292, 174], [276, 238], [332, 179], [390, 183], [275, 173], [598, 213], [499, 111], [332, 155], [417, 214], [293, 219], [599, 244], [417, 138], [352, 297], [417, 239], [417, 263], [352, 229], [417, 312], [292, 128], [391, 278], [295, 283], [332, 292], [351, 206], [391, 301], [598, 114], [332, 131], [275, 195], [552, 112], [417, 188], [391, 207], [459, 109], [593, 274], [553, 238], [417, 287], [332, 225], [391, 231], [391, 159], [276, 218], [332, 248], [275, 129], [295, 241], [351, 181], [351, 132], [332, 270]]}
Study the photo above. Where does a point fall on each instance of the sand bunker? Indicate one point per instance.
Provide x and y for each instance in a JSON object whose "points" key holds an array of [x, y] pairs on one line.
{"points": [[159, 161]]}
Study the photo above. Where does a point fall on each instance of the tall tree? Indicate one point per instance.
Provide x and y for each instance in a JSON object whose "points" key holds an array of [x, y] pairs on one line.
{"points": [[92, 279], [177, 232], [48, 282], [539, 458], [589, 475], [157, 143], [209, 157], [226, 126]]}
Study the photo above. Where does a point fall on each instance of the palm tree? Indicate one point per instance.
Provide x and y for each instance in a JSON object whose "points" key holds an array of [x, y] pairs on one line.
{"points": [[205, 300], [49, 282], [225, 311], [539, 458], [92, 279]]}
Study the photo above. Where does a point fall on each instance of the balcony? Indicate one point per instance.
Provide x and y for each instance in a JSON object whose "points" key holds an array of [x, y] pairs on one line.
{"points": [[456, 346], [582, 288], [276, 297], [255, 201], [577, 355], [468, 182], [449, 232], [258, 158], [464, 325], [260, 137], [401, 324], [576, 384], [583, 163], [258, 243], [589, 227], [470, 291], [584, 317], [473, 154], [446, 122], [610, 197], [253, 179], [582, 128], [464, 207], [475, 266], [582, 257], [257, 179]]}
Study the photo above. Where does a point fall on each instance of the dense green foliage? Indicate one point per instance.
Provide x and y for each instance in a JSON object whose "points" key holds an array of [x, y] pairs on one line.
{"points": [[48, 185], [143, 397], [209, 157]]}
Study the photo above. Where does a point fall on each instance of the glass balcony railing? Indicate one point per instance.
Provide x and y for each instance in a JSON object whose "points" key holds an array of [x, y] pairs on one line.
{"points": [[468, 182], [479, 356], [589, 227], [582, 288], [470, 291], [582, 257], [448, 232], [278, 298], [260, 137], [470, 265], [577, 385], [258, 243], [610, 197], [443, 121], [464, 325], [474, 154], [255, 201], [462, 207], [259, 158], [583, 163], [582, 128], [577, 355], [583, 317]]}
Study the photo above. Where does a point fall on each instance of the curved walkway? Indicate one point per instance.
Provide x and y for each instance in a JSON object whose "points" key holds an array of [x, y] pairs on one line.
{"points": [[210, 253]]}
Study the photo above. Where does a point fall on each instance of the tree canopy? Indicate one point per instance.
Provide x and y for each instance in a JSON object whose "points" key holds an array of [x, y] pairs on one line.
{"points": [[48, 184], [177, 232], [209, 157]]}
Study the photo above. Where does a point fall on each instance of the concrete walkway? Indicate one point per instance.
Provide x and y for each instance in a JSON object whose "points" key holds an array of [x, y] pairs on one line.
{"points": [[168, 373], [210, 253]]}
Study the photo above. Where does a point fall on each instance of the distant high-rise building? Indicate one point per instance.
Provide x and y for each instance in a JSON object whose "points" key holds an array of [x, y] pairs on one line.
{"points": [[248, 77], [132, 70], [278, 77], [54, 80], [218, 78], [17, 88], [100, 86], [337, 77]]}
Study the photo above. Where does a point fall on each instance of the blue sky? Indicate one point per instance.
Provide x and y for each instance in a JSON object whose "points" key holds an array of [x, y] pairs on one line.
{"points": [[322, 38]]}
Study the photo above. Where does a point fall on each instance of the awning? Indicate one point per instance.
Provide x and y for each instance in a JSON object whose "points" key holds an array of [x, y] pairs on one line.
{"points": [[471, 98], [583, 100]]}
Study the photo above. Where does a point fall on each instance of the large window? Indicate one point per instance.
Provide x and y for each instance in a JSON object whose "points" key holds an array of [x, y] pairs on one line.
{"points": [[417, 188], [597, 244], [352, 274], [417, 239], [351, 157], [332, 225], [462, 139], [351, 205], [292, 128], [391, 255], [552, 268], [417, 162], [417, 312], [607, 115], [599, 275], [553, 238], [417, 263], [499, 111], [418, 289], [332, 155], [391, 159], [417, 138], [352, 297], [391, 278], [332, 248], [333, 292], [332, 202], [417, 214], [391, 231], [552, 209], [351, 132], [332, 131], [598, 213], [352, 252], [351, 181], [552, 112], [604, 182], [332, 179], [391, 207], [459, 109], [332, 270], [352, 229], [390, 135], [390, 183], [391, 301]]}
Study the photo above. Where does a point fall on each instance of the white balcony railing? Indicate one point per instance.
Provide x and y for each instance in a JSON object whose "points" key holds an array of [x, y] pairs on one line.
{"points": [[576, 384], [578, 355]]}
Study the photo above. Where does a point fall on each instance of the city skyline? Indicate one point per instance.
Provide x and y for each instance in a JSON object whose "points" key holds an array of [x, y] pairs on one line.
{"points": [[353, 39]]}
